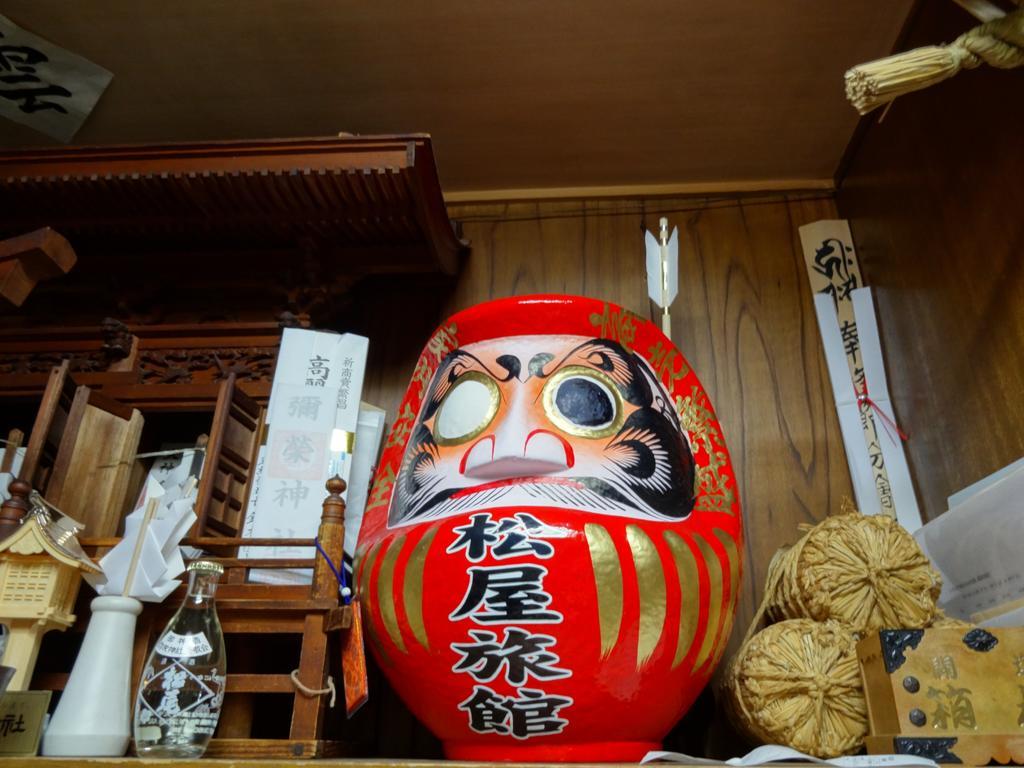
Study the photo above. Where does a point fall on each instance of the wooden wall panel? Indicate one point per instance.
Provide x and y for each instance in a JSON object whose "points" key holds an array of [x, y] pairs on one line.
{"points": [[935, 199]]}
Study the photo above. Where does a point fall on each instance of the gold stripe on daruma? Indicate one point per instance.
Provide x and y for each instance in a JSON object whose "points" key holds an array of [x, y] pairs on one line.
{"points": [[386, 594], [715, 599], [365, 574], [650, 579], [608, 580], [689, 594], [412, 588], [365, 577], [733, 555]]}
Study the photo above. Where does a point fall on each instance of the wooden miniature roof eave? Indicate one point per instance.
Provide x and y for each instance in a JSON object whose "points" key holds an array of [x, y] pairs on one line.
{"points": [[358, 195], [30, 539]]}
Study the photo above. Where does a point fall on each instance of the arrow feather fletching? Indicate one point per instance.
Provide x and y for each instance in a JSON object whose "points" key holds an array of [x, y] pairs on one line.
{"points": [[672, 276], [654, 283]]}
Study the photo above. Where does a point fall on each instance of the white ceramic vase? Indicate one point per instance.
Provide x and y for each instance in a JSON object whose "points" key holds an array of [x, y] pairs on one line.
{"points": [[93, 717]]}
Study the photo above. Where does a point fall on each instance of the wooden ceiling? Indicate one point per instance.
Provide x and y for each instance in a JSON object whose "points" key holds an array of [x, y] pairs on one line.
{"points": [[530, 95]]}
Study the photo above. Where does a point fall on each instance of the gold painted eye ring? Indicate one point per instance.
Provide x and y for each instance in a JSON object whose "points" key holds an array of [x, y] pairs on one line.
{"points": [[604, 383], [467, 409]]}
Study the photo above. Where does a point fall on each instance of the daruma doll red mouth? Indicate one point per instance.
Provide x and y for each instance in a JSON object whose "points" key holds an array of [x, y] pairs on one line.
{"points": [[550, 555]]}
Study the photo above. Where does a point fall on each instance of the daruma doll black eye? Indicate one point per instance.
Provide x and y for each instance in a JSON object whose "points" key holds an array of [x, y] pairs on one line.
{"points": [[584, 402]]}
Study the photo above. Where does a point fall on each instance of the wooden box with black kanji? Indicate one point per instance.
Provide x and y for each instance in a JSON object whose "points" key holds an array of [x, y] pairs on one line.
{"points": [[954, 695]]}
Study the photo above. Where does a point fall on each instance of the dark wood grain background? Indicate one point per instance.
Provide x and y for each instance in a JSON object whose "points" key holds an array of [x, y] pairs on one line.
{"points": [[935, 198]]}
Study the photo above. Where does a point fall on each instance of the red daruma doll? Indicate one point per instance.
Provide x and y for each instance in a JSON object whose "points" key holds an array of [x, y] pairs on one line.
{"points": [[550, 555]]}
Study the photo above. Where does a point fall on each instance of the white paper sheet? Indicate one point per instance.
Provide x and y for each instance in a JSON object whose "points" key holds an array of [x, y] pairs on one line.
{"points": [[316, 389], [160, 562], [901, 486], [859, 454], [1014, 618], [44, 86], [963, 494], [976, 546], [847, 408], [773, 753], [369, 433], [7, 477]]}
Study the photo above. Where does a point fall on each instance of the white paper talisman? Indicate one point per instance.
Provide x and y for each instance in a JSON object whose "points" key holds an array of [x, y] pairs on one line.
{"points": [[316, 389], [849, 332], [44, 86]]}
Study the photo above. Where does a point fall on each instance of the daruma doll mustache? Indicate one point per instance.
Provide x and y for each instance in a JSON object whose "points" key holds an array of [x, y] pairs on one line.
{"points": [[550, 557]]}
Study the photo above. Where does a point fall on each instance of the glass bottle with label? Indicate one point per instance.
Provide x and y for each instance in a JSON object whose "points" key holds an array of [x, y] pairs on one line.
{"points": [[182, 687]]}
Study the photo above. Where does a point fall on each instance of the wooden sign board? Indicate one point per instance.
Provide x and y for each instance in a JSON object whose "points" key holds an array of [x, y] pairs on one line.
{"points": [[21, 721], [951, 695]]}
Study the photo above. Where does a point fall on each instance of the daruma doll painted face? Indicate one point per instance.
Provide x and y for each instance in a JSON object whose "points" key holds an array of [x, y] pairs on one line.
{"points": [[550, 554]]}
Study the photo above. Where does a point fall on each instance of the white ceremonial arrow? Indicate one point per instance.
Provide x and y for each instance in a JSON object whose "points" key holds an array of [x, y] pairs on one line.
{"points": [[663, 271]]}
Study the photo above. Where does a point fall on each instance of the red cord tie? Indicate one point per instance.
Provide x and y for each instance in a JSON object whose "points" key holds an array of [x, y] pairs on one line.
{"points": [[890, 425]]}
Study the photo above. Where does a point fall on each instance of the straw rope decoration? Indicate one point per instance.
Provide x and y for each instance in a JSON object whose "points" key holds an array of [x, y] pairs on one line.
{"points": [[998, 43], [797, 682]]}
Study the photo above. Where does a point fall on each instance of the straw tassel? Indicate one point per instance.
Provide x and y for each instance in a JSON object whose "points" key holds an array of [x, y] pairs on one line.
{"points": [[998, 43]]}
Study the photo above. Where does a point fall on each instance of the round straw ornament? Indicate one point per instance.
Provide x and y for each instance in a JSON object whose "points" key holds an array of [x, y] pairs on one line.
{"points": [[798, 683], [865, 571]]}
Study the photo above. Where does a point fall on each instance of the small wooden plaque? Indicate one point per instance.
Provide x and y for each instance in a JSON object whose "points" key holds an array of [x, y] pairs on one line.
{"points": [[951, 695], [21, 721], [353, 663]]}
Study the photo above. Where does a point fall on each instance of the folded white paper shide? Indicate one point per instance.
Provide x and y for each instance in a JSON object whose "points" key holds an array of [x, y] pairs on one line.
{"points": [[317, 385], [976, 546]]}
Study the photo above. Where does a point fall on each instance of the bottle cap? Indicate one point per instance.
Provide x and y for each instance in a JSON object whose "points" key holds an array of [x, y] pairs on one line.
{"points": [[206, 566]]}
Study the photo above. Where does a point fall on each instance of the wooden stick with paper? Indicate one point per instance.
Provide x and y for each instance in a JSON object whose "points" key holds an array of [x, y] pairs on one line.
{"points": [[663, 270], [146, 562], [853, 351], [870, 401]]}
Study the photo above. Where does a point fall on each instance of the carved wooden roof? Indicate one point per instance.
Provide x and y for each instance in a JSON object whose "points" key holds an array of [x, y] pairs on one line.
{"points": [[233, 232], [369, 204]]}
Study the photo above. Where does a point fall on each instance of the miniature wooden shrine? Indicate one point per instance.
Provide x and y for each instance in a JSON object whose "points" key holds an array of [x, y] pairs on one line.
{"points": [[39, 580], [191, 258]]}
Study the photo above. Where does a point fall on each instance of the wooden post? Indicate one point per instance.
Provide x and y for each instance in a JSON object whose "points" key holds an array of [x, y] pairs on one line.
{"points": [[52, 420], [332, 539], [308, 712], [15, 508], [14, 440], [230, 463]]}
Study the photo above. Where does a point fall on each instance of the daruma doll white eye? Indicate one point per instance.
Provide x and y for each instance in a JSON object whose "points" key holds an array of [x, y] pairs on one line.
{"points": [[466, 410]]}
